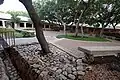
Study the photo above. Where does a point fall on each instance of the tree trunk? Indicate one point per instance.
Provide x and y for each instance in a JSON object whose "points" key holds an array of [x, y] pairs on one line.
{"points": [[64, 24], [101, 32], [77, 30], [93, 31], [103, 27], [37, 25], [77, 25], [82, 32], [114, 26], [64, 28], [1, 2]]}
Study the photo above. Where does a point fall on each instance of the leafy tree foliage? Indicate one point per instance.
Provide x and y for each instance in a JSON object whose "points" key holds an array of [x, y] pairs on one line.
{"points": [[98, 13], [18, 13], [55, 11], [14, 17], [105, 13]]}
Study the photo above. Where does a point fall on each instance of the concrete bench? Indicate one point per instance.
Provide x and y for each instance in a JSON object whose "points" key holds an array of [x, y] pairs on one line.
{"points": [[95, 51]]}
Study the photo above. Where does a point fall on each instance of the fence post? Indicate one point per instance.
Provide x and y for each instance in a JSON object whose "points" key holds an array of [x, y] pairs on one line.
{"points": [[7, 37]]}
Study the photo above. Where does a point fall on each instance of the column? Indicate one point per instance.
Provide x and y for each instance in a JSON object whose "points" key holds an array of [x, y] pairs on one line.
{"points": [[44, 27], [32, 25], [49, 26], [15, 25], [24, 24], [3, 23]]}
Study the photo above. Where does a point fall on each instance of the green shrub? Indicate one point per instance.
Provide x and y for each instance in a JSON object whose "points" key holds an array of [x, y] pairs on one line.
{"points": [[22, 34], [28, 34], [18, 35], [85, 38]]}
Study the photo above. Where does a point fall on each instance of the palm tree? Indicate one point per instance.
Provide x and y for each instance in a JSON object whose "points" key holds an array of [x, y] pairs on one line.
{"points": [[15, 19]]}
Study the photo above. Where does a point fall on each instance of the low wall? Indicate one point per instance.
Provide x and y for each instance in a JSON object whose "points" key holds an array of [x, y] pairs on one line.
{"points": [[22, 66], [3, 75], [57, 65]]}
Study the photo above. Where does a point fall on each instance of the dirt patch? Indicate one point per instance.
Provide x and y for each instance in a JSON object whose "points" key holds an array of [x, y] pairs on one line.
{"points": [[102, 72]]}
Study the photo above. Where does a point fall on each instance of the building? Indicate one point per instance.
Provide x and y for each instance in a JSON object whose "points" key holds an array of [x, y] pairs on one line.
{"points": [[25, 23], [92, 30]]}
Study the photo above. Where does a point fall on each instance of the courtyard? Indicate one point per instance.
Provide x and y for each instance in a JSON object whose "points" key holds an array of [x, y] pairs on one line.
{"points": [[67, 44], [64, 62], [60, 40], [71, 46]]}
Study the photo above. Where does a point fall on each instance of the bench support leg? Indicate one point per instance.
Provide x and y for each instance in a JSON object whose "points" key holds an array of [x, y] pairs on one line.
{"points": [[88, 58]]}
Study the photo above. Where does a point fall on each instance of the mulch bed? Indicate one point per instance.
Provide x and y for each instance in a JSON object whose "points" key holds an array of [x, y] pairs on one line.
{"points": [[102, 72]]}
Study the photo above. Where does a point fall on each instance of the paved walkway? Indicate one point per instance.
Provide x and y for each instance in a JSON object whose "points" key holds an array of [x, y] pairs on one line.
{"points": [[73, 45], [67, 44], [49, 35]]}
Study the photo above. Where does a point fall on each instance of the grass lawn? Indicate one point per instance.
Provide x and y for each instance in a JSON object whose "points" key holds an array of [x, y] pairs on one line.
{"points": [[83, 39], [23, 34]]}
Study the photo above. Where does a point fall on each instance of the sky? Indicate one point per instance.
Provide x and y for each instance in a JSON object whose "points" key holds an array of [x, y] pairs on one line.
{"points": [[12, 5]]}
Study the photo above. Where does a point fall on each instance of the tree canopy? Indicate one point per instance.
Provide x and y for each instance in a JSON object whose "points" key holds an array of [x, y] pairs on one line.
{"points": [[98, 13], [18, 13]]}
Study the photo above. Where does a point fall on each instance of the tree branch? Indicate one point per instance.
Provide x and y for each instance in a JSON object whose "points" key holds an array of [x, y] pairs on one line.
{"points": [[1, 2]]}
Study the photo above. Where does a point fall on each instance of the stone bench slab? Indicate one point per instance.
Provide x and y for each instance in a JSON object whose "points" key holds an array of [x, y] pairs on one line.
{"points": [[91, 52], [100, 50]]}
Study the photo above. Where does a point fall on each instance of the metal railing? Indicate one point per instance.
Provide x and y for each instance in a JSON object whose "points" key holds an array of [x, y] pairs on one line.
{"points": [[7, 37]]}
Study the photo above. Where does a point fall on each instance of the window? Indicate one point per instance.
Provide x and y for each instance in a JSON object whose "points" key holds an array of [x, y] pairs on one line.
{"points": [[13, 25], [21, 24], [47, 26], [1, 23], [28, 25]]}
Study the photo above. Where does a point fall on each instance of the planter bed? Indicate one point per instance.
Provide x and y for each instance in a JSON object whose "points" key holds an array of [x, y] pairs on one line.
{"points": [[57, 65]]}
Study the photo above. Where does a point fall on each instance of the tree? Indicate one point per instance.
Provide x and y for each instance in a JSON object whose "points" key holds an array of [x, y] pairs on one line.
{"points": [[1, 2], [15, 19], [18, 13], [81, 9], [115, 19], [105, 12], [8, 24], [55, 11], [37, 25], [63, 12]]}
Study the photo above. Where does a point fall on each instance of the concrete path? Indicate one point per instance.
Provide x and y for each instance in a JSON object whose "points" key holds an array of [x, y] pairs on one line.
{"points": [[73, 45], [49, 35], [67, 44]]}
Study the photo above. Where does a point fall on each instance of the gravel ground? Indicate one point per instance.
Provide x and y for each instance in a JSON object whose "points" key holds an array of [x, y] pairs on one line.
{"points": [[57, 65]]}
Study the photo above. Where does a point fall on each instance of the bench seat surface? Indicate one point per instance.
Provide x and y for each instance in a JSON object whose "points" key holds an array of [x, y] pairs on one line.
{"points": [[100, 50]]}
